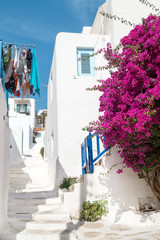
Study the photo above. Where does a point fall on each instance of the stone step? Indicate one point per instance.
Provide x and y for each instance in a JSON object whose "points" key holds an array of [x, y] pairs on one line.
{"points": [[46, 235], [34, 195], [46, 215], [30, 189], [18, 225], [50, 225], [35, 172], [35, 201], [51, 215], [26, 169], [27, 183], [9, 235], [31, 209], [36, 157], [20, 216], [19, 180]]}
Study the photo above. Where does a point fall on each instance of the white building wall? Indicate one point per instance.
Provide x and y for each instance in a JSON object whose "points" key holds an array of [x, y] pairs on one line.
{"points": [[4, 159], [131, 10], [51, 127], [21, 128], [123, 191], [70, 106]]}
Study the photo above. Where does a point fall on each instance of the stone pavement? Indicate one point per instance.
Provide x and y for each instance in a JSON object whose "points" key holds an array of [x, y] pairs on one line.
{"points": [[103, 230]]}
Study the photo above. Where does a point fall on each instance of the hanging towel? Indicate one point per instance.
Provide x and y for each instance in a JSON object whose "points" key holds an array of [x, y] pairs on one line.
{"points": [[8, 71], [19, 70], [34, 74], [24, 58], [7, 56], [29, 60], [1, 63], [15, 57]]}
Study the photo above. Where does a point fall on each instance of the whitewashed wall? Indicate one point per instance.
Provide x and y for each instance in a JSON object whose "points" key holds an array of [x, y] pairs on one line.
{"points": [[124, 190], [70, 106], [131, 10], [4, 159]]}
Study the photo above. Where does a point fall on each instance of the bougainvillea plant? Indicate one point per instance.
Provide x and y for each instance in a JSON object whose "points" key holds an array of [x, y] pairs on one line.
{"points": [[130, 101]]}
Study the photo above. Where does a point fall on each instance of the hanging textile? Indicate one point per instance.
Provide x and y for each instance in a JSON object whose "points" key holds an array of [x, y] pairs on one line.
{"points": [[7, 63], [7, 56], [1, 60], [21, 70], [18, 70], [34, 74], [1, 63]]}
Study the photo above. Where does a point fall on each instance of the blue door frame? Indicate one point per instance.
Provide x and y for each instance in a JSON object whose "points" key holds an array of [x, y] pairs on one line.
{"points": [[87, 153]]}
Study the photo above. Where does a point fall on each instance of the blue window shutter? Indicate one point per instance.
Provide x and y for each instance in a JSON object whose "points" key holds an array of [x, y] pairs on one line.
{"points": [[86, 64], [78, 63], [25, 107], [18, 107]]}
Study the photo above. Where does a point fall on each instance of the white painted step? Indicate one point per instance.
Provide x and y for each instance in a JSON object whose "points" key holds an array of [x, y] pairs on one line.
{"points": [[34, 195], [29, 188], [12, 216], [51, 215], [26, 169], [46, 235], [35, 201], [9, 235], [27, 182], [32, 209], [46, 215], [50, 225], [18, 225]]}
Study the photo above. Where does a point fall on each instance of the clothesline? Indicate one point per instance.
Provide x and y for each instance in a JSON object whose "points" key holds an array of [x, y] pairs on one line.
{"points": [[29, 45], [19, 69]]}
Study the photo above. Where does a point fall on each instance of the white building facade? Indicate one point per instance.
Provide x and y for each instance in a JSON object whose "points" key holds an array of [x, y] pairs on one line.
{"points": [[70, 106], [130, 10], [22, 120], [4, 158]]}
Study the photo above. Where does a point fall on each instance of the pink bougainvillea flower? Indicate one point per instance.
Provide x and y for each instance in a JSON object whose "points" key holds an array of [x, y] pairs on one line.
{"points": [[119, 171], [130, 100]]}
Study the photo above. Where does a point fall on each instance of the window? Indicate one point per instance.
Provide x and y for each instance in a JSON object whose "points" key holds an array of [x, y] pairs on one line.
{"points": [[86, 64], [22, 108]]}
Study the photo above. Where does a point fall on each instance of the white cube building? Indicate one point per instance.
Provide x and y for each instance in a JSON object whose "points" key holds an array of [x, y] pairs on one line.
{"points": [[22, 117]]}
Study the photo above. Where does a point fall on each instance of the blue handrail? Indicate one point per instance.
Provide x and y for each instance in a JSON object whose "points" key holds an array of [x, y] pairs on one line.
{"points": [[87, 153]]}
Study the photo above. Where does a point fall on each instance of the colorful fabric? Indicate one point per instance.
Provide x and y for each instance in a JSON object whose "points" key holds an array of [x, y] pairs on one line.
{"points": [[34, 74], [21, 70], [7, 56]]}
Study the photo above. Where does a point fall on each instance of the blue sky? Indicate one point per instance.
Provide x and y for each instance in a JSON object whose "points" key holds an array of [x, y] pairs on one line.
{"points": [[38, 22]]}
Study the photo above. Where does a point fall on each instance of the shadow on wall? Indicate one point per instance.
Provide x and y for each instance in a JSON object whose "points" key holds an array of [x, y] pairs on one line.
{"points": [[30, 136], [60, 173], [78, 196], [123, 190], [15, 150], [5, 177]]}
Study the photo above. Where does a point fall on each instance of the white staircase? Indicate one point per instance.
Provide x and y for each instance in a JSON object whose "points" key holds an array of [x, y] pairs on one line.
{"points": [[34, 210]]}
